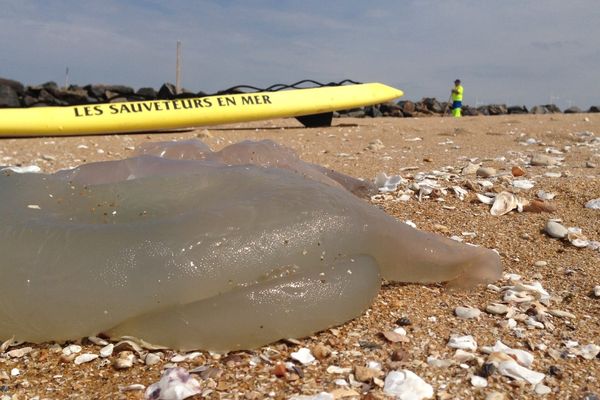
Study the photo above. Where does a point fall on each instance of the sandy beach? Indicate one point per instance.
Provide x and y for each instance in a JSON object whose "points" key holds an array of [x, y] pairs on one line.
{"points": [[556, 332]]}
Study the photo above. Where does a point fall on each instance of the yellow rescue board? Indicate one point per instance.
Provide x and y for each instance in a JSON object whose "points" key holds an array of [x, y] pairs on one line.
{"points": [[140, 116]]}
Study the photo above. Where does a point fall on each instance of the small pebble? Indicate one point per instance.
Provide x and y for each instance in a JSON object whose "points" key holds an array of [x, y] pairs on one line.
{"points": [[487, 370], [478, 381], [555, 371], [556, 230], [364, 374], [597, 291], [485, 172], [84, 358], [467, 312], [543, 160], [470, 169], [496, 308], [279, 370], [107, 350], [590, 396], [540, 263], [152, 359], [404, 321], [542, 389], [320, 351], [495, 396]]}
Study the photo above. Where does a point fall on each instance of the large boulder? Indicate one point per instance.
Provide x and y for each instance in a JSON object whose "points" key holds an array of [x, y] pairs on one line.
{"points": [[552, 108], [147, 93], [573, 110], [517, 110], [594, 109], [167, 91], [469, 111], [483, 110], [391, 110], [75, 96], [538, 110], [497, 109], [15, 85], [9, 97], [108, 92], [407, 107], [373, 111], [433, 105]]}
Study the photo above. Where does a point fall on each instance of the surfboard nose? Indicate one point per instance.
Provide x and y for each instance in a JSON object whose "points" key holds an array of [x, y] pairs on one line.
{"points": [[388, 92]]}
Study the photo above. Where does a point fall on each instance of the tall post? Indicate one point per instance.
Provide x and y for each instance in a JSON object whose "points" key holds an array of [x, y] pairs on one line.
{"points": [[178, 69], [67, 78]]}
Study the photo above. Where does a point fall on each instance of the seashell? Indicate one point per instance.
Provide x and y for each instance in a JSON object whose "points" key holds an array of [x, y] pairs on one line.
{"points": [[71, 349], [485, 199], [545, 196], [405, 384], [517, 171], [524, 184], [334, 369], [466, 342], [561, 314], [504, 203], [304, 356], [98, 341], [18, 353]]}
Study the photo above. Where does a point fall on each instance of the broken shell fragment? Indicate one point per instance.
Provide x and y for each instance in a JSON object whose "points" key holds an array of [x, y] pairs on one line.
{"points": [[517, 171], [466, 342], [539, 206], [593, 204], [125, 360]]}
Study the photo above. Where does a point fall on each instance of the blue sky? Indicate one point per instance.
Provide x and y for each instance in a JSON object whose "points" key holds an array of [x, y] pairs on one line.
{"points": [[510, 51]]}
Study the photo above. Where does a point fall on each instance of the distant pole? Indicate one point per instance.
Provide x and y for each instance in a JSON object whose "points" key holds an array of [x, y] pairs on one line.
{"points": [[178, 69], [66, 77]]}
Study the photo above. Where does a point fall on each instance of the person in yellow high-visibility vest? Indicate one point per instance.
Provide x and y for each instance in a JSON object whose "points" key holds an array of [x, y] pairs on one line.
{"points": [[457, 96]]}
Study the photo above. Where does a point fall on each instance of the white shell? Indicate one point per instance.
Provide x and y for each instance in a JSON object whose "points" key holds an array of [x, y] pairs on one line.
{"points": [[84, 358], [304, 356], [462, 342], [504, 203]]}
